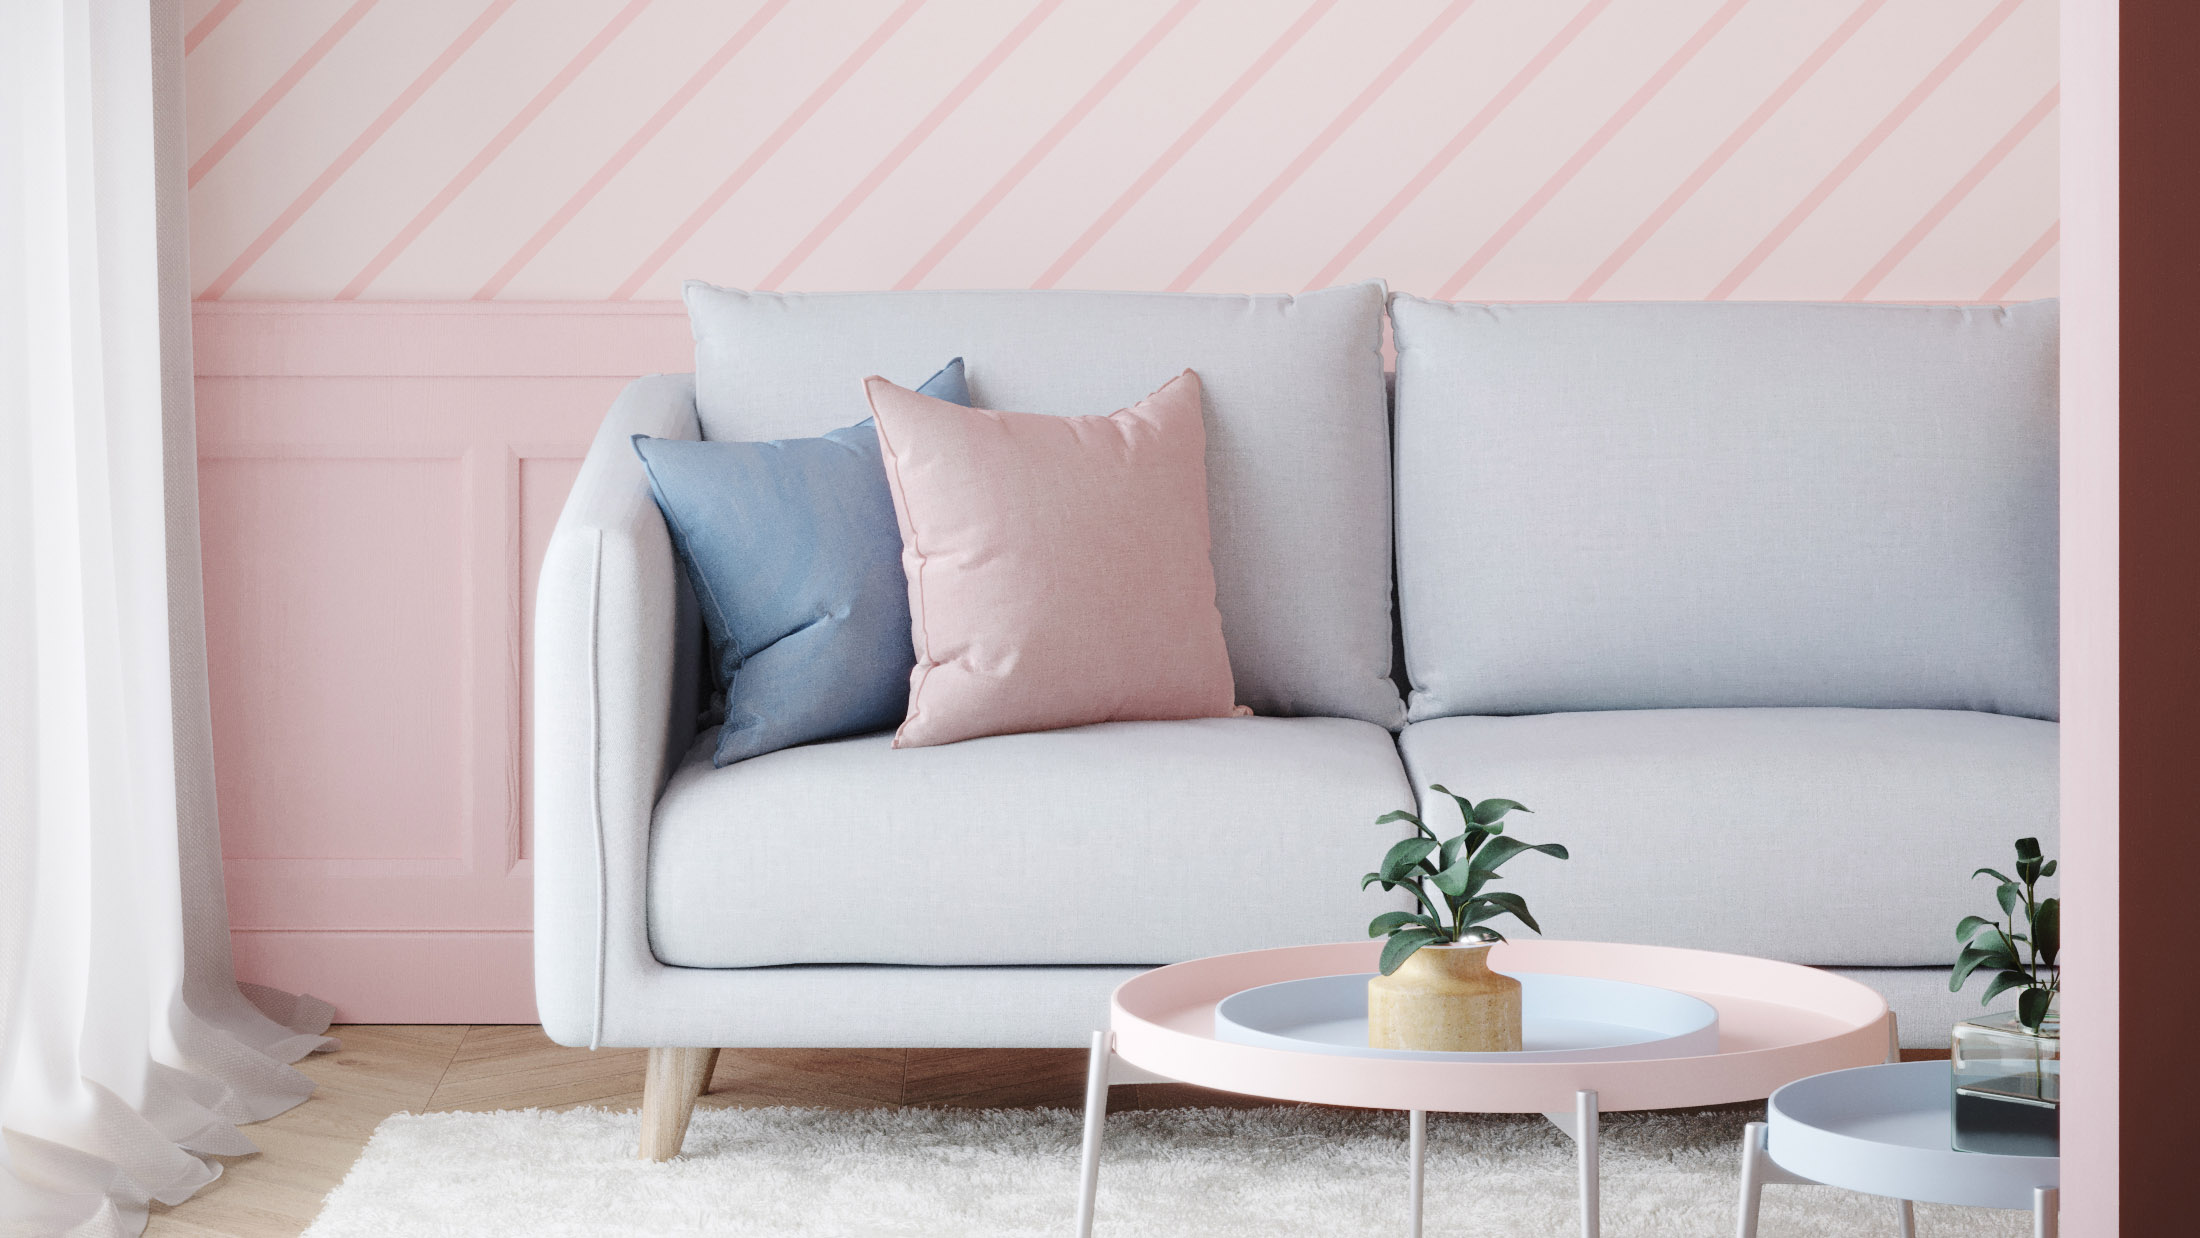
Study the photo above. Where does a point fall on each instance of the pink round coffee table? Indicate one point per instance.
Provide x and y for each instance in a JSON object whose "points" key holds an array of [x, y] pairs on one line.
{"points": [[1778, 1022]]}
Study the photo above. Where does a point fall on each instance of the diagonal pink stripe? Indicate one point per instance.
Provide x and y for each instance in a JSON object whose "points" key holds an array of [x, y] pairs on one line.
{"points": [[908, 146], [197, 34], [1855, 158], [778, 138], [633, 146], [487, 155], [1459, 142], [274, 94], [1184, 143], [1956, 194], [1589, 150], [2025, 262], [1039, 150], [359, 146], [1726, 150], [1327, 138]]}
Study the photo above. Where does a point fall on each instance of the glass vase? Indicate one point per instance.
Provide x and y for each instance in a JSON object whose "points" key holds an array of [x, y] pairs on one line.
{"points": [[2008, 1085]]}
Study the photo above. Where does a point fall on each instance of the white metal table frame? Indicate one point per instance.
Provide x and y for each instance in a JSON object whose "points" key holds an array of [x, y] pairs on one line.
{"points": [[1760, 1169], [1106, 1069]]}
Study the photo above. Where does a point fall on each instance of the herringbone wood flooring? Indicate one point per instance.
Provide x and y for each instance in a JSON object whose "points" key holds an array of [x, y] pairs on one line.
{"points": [[384, 1070]]}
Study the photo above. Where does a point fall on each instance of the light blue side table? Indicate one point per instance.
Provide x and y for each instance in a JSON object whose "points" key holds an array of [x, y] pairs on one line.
{"points": [[1885, 1130]]}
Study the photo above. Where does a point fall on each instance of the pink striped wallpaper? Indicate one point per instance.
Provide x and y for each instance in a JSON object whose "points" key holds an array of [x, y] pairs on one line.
{"points": [[432, 238], [1544, 149]]}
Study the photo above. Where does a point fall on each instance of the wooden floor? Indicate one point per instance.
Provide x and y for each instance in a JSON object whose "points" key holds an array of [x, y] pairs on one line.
{"points": [[385, 1070]]}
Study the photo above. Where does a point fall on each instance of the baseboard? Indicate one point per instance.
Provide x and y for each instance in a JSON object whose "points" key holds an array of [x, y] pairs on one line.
{"points": [[398, 977]]}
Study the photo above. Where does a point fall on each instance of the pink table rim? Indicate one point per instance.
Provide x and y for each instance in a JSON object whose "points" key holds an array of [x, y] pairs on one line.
{"points": [[1778, 1022]]}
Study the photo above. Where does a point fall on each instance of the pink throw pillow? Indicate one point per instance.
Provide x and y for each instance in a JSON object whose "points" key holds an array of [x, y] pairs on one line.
{"points": [[1058, 566]]}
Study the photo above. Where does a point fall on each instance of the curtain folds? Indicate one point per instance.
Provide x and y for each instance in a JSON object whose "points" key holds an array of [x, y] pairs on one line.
{"points": [[128, 1052]]}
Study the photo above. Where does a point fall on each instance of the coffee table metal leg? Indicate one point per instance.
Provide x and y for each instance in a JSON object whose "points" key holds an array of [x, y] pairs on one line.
{"points": [[2046, 1203], [1758, 1168], [1753, 1181], [1581, 1127], [1905, 1217], [1417, 1153], [1096, 1116], [1585, 1123]]}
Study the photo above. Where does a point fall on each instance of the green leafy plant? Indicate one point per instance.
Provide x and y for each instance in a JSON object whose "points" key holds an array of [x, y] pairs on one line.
{"points": [[2022, 961], [1447, 878]]}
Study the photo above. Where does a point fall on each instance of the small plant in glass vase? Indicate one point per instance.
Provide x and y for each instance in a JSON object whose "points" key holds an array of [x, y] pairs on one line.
{"points": [[2007, 1067], [1436, 990]]}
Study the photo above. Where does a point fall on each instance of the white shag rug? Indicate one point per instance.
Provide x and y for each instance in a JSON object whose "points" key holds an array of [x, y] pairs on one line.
{"points": [[980, 1173]]}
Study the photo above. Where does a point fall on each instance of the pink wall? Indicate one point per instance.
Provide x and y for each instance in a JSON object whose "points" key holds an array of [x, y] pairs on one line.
{"points": [[588, 149], [2091, 646], [378, 478]]}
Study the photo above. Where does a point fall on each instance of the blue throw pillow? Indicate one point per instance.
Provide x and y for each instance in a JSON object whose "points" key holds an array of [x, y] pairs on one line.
{"points": [[795, 555]]}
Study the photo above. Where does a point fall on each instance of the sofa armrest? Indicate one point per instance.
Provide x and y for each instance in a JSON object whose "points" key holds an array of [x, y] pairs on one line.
{"points": [[617, 666]]}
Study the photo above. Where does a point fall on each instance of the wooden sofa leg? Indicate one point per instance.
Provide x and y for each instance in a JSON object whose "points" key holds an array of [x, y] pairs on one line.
{"points": [[676, 1077]]}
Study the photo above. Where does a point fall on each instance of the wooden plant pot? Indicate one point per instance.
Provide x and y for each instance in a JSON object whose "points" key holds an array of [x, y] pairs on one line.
{"points": [[1445, 997]]}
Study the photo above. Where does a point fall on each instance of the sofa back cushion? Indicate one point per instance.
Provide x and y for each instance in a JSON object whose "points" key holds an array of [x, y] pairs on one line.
{"points": [[1640, 506], [1298, 465]]}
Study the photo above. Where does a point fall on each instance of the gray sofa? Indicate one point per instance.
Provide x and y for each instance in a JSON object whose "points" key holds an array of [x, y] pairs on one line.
{"points": [[1754, 605]]}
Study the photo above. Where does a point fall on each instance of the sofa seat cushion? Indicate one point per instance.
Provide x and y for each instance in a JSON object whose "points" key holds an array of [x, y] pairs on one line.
{"points": [[1838, 837], [1124, 842]]}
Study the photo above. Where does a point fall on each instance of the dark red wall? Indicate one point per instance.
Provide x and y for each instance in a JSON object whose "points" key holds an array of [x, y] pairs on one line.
{"points": [[2161, 611]]}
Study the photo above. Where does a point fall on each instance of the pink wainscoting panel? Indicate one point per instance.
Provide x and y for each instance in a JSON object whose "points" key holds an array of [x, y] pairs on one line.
{"points": [[1504, 149], [378, 484], [440, 340], [330, 610], [543, 483]]}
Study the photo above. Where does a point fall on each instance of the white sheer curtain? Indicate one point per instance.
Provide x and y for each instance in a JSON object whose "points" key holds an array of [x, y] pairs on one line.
{"points": [[128, 1055]]}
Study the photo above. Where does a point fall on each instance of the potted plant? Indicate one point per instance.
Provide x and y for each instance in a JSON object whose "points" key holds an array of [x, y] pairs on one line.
{"points": [[2007, 1067], [1436, 990]]}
